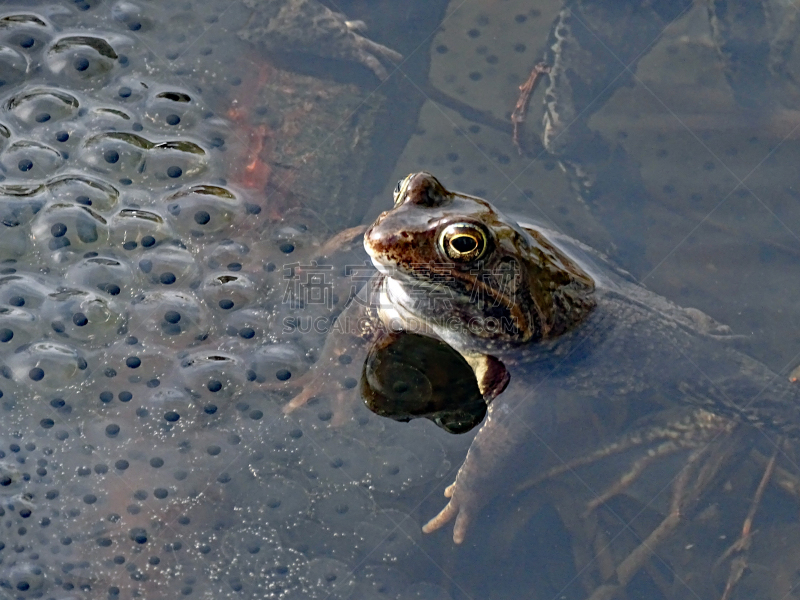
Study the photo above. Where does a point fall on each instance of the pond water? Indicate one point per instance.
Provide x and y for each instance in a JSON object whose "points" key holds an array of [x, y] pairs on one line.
{"points": [[161, 174]]}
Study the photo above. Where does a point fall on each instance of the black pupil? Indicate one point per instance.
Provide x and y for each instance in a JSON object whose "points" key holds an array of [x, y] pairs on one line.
{"points": [[464, 243]]}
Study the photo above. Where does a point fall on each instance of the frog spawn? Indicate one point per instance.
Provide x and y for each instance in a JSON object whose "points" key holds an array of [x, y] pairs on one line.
{"points": [[132, 326]]}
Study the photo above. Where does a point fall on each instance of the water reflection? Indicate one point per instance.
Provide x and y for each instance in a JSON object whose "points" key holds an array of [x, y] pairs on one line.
{"points": [[410, 376], [137, 459]]}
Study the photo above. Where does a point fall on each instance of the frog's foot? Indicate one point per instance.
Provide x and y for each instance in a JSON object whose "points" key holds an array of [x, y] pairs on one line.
{"points": [[687, 431], [476, 482], [737, 552], [702, 466], [363, 50], [692, 480], [462, 506], [308, 26], [334, 377], [339, 388]]}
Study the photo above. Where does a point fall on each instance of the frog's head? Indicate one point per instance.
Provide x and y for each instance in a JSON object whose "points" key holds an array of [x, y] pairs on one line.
{"points": [[455, 262]]}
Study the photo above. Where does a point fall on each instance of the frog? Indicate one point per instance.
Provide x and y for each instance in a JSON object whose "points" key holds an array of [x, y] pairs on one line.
{"points": [[542, 319], [589, 59], [309, 27]]}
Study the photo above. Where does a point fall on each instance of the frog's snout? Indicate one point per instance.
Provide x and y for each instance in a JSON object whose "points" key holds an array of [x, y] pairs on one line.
{"points": [[378, 239]]}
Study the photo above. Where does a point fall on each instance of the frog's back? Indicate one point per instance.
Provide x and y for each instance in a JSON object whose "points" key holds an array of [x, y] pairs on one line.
{"points": [[610, 279]]}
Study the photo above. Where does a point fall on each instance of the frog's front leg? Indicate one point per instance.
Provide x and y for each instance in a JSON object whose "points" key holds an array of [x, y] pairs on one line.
{"points": [[335, 375], [502, 434], [308, 26]]}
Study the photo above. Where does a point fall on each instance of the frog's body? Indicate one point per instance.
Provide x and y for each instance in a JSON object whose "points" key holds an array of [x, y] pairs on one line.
{"points": [[578, 329]]}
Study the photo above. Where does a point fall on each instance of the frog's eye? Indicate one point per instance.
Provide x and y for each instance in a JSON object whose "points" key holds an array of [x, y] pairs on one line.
{"points": [[463, 242]]}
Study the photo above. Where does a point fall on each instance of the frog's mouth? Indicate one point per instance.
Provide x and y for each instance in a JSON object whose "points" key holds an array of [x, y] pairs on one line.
{"points": [[382, 268], [391, 271], [375, 245]]}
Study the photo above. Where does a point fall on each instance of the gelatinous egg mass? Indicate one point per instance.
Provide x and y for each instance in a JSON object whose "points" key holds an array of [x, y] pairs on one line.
{"points": [[141, 309]]}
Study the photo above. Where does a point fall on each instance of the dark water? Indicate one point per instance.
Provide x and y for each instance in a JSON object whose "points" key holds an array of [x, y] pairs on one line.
{"points": [[142, 296]]}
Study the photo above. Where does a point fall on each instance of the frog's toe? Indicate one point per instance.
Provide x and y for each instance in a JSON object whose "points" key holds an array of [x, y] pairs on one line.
{"points": [[299, 400], [448, 491], [358, 25], [318, 385], [379, 50], [368, 53], [454, 509]]}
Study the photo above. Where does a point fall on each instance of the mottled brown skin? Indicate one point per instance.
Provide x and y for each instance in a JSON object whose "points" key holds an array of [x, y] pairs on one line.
{"points": [[583, 334], [519, 277]]}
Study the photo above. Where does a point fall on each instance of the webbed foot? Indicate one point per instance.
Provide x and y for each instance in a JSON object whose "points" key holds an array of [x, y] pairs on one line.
{"points": [[308, 26], [336, 381]]}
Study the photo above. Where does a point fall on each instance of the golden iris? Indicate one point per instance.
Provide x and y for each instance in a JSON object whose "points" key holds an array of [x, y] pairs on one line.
{"points": [[463, 242]]}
